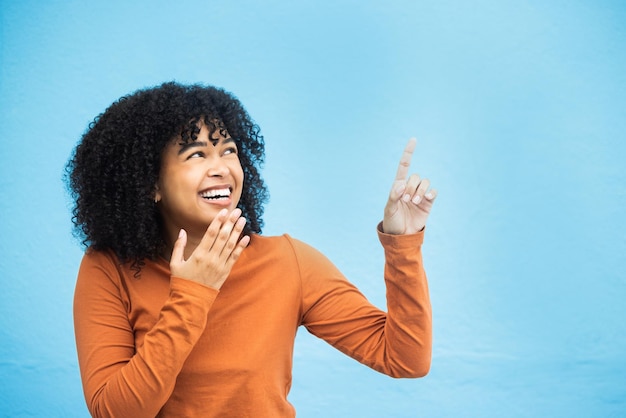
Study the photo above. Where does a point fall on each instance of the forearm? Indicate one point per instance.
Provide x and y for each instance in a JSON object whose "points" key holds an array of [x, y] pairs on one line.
{"points": [[408, 328]]}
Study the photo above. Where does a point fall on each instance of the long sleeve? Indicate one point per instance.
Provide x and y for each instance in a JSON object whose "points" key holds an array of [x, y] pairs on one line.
{"points": [[397, 343], [120, 379]]}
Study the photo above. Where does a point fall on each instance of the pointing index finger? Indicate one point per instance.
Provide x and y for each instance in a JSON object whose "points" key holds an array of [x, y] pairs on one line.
{"points": [[405, 160]]}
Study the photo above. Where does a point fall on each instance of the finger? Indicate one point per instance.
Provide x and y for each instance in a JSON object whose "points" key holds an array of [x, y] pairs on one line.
{"points": [[241, 245], [226, 230], [405, 160], [397, 191], [233, 240], [418, 196], [411, 186], [212, 232], [244, 241], [178, 252], [431, 195]]}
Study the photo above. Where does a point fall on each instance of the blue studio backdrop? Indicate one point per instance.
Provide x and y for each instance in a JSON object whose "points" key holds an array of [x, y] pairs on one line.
{"points": [[519, 109]]}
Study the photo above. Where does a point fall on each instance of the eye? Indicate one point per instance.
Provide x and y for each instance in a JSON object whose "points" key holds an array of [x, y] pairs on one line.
{"points": [[230, 150], [197, 154]]}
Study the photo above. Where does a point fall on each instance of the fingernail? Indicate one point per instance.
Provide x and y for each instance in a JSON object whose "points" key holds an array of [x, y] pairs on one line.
{"points": [[406, 197], [181, 233], [417, 199], [429, 195], [235, 214]]}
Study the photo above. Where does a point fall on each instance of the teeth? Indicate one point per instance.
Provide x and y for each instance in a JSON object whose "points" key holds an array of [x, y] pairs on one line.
{"points": [[216, 192]]}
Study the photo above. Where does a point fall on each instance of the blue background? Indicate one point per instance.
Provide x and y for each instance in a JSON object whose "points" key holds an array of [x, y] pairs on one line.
{"points": [[520, 113]]}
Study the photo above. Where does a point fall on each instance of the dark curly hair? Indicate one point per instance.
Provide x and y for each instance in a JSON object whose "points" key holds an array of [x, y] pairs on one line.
{"points": [[113, 170]]}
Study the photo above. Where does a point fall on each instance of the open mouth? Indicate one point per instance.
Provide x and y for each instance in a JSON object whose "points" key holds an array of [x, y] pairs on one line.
{"points": [[216, 194]]}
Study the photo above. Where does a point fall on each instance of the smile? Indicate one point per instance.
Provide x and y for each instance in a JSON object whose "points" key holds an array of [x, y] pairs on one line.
{"points": [[215, 194]]}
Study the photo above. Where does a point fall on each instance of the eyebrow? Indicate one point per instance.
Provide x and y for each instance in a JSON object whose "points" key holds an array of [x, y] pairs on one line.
{"points": [[194, 144]]}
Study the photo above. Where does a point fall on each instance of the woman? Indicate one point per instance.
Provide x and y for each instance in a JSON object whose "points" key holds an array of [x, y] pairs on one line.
{"points": [[181, 307]]}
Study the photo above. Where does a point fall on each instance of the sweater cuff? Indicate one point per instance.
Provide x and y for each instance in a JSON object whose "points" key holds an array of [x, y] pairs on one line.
{"points": [[194, 291], [400, 241]]}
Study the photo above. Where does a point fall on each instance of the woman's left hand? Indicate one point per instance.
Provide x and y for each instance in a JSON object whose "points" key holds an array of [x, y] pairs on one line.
{"points": [[410, 199]]}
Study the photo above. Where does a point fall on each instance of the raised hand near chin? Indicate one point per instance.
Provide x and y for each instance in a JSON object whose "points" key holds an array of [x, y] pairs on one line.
{"points": [[410, 199], [211, 261]]}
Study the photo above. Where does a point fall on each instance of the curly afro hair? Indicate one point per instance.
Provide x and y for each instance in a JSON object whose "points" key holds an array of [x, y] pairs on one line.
{"points": [[113, 171]]}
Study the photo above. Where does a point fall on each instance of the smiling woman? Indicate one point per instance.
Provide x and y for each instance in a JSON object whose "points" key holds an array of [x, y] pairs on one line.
{"points": [[114, 173], [197, 180], [182, 307]]}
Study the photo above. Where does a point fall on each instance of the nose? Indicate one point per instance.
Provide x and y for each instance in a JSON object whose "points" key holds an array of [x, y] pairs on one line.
{"points": [[216, 167]]}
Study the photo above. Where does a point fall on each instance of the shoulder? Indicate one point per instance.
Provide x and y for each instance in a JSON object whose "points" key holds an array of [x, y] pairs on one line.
{"points": [[283, 244], [289, 251], [100, 258], [105, 263]]}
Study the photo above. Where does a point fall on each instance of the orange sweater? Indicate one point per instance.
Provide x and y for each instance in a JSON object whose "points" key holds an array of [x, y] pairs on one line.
{"points": [[164, 346]]}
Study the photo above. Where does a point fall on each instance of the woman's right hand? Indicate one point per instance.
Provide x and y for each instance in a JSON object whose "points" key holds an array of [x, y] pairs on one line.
{"points": [[211, 261]]}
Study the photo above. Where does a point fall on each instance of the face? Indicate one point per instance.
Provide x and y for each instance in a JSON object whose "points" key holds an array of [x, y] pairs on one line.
{"points": [[197, 180]]}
